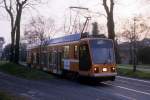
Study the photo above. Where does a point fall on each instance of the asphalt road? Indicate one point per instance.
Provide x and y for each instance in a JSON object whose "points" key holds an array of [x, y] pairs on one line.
{"points": [[61, 89]]}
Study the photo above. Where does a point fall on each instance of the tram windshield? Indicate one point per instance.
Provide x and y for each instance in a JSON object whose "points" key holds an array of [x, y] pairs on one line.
{"points": [[102, 51]]}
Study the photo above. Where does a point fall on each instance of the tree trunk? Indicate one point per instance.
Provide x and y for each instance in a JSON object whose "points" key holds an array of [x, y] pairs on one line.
{"points": [[110, 25], [11, 58], [17, 46]]}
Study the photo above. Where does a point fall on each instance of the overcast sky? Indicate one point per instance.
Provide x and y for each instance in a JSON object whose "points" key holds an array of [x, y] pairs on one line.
{"points": [[56, 9]]}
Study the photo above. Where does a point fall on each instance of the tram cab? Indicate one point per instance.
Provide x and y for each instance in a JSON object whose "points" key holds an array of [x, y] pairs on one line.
{"points": [[97, 58]]}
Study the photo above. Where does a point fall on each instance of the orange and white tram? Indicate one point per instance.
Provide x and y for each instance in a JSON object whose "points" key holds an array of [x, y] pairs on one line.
{"points": [[88, 57]]}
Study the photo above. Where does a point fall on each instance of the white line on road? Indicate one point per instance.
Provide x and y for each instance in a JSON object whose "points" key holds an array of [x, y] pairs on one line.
{"points": [[134, 79], [146, 93], [129, 98]]}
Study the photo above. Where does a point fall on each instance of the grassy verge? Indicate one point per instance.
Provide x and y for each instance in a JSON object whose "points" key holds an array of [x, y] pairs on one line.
{"points": [[125, 65], [24, 72], [130, 73], [8, 96]]}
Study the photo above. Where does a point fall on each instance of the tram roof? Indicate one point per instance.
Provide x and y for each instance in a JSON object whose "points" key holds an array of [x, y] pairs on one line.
{"points": [[68, 38]]}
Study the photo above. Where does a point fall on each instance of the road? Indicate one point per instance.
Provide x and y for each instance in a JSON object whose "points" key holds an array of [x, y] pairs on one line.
{"points": [[61, 89]]}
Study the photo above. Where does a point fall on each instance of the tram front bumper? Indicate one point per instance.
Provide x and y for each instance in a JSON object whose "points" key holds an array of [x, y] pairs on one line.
{"points": [[104, 74]]}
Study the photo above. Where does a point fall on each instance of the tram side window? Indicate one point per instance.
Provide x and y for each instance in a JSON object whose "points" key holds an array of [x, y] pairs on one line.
{"points": [[44, 58], [76, 55], [34, 58], [66, 51], [50, 58], [37, 58]]}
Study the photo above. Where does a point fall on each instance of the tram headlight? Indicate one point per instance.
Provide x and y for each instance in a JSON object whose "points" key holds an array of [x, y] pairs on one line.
{"points": [[96, 69], [104, 69], [113, 69]]}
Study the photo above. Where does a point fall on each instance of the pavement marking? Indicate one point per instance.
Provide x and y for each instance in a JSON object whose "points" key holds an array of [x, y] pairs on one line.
{"points": [[137, 84], [146, 93], [134, 79], [120, 95]]}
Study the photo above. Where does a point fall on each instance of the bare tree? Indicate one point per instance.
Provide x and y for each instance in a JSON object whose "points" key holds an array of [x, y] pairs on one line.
{"points": [[14, 9], [110, 25], [38, 30], [8, 5], [132, 32]]}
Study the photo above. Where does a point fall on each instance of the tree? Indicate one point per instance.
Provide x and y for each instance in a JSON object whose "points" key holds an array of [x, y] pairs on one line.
{"points": [[132, 32], [38, 30], [111, 25], [14, 9], [95, 30], [9, 9], [144, 55], [6, 52], [19, 9], [110, 18]]}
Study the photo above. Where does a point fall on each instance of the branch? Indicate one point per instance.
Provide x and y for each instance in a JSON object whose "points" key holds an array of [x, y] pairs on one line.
{"points": [[106, 7], [24, 2], [111, 6], [9, 10]]}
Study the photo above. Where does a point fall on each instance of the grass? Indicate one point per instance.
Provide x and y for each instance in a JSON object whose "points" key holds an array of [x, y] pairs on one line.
{"points": [[8, 96], [125, 65], [24, 72], [130, 73]]}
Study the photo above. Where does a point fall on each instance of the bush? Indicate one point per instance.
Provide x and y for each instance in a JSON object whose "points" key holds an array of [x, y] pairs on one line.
{"points": [[144, 55]]}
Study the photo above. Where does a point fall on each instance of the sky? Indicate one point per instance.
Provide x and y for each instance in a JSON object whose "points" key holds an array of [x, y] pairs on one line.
{"points": [[57, 9]]}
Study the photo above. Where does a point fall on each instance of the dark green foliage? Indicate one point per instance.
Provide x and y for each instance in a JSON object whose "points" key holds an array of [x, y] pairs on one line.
{"points": [[7, 52], [130, 73], [95, 30], [144, 55]]}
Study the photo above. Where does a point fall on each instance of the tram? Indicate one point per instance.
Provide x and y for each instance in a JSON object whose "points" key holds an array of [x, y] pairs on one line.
{"points": [[86, 56]]}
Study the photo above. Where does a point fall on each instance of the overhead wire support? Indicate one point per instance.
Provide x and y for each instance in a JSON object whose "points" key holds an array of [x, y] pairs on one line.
{"points": [[87, 18], [72, 7], [86, 22]]}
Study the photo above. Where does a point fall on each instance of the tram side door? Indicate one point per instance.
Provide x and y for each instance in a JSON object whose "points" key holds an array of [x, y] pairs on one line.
{"points": [[84, 57], [59, 55]]}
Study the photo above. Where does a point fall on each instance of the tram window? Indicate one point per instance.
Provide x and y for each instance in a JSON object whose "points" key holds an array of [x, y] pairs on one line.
{"points": [[34, 58], [66, 51], [42, 62], [76, 51], [50, 58], [84, 58], [37, 58], [44, 58]]}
